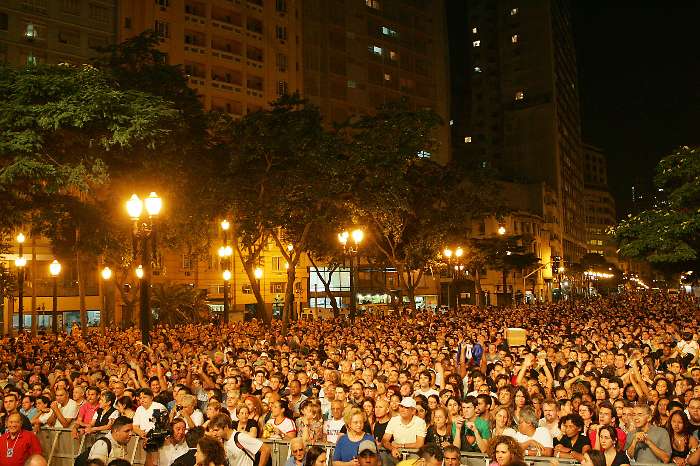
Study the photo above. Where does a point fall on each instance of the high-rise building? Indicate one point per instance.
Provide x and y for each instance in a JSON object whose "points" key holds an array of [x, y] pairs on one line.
{"points": [[599, 205], [519, 112], [239, 55], [358, 55], [54, 31]]}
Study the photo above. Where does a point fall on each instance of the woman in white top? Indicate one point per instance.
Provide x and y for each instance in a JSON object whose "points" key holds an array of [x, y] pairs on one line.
{"points": [[280, 424]]}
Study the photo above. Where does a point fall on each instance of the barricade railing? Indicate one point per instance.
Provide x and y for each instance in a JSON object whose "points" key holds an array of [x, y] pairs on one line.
{"points": [[60, 449]]}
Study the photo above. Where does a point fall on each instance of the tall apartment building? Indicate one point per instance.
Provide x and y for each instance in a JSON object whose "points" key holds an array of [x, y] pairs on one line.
{"points": [[358, 55], [520, 112], [239, 54], [599, 205], [54, 31]]}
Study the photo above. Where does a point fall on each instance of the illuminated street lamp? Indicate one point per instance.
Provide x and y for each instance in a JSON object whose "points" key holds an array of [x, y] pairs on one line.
{"points": [[144, 230], [54, 270], [225, 253], [448, 253], [104, 316], [20, 263], [501, 230], [351, 251]]}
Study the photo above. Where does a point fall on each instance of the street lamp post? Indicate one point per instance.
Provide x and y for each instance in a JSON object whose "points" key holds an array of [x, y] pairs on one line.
{"points": [[20, 263], [144, 231], [225, 253], [351, 251], [104, 315], [54, 270], [447, 253]]}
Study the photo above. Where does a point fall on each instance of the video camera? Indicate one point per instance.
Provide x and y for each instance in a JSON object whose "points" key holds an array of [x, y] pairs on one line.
{"points": [[155, 438]]}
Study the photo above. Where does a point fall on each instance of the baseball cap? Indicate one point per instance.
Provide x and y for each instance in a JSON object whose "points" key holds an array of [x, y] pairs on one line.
{"points": [[408, 402], [367, 445]]}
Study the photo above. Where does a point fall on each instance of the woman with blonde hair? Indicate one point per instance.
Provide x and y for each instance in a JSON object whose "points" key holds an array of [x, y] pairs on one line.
{"points": [[347, 446], [502, 422]]}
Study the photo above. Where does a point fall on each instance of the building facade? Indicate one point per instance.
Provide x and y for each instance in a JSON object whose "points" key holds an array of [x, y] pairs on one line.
{"points": [[55, 31], [519, 112], [599, 206]]}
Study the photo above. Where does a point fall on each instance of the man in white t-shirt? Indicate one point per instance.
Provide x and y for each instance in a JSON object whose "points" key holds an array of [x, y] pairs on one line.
{"points": [[550, 410], [240, 447], [335, 422], [405, 430], [143, 416], [425, 389], [64, 410], [536, 441]]}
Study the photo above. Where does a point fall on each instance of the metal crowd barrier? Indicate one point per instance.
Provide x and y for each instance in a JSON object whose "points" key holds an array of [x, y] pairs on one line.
{"points": [[60, 449]]}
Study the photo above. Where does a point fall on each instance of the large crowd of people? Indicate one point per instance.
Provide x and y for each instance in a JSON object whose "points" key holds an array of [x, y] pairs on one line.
{"points": [[605, 382]]}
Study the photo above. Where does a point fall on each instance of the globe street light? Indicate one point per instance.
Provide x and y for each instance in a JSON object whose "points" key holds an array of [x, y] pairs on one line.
{"points": [[144, 230], [104, 315], [225, 253], [20, 263], [501, 230], [352, 251], [54, 270]]}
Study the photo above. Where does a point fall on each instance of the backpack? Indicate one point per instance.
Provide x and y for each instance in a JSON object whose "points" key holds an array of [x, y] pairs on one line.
{"points": [[81, 459]]}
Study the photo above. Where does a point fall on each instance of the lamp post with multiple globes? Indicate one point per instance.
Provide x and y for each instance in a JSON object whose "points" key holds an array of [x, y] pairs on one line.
{"points": [[351, 251], [258, 273], [225, 253], [144, 240], [54, 270], [105, 314]]}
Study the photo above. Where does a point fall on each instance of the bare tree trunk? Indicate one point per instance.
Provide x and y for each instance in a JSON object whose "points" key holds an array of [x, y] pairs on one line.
{"points": [[327, 286], [34, 272]]}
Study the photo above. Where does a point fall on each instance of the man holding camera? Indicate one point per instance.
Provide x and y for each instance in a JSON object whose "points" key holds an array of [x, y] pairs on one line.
{"points": [[174, 447], [143, 417]]}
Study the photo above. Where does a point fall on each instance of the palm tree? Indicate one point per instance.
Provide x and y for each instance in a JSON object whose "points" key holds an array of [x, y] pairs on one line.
{"points": [[179, 304]]}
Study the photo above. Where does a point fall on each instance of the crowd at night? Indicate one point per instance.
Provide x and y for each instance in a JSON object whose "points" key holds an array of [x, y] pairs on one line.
{"points": [[610, 381]]}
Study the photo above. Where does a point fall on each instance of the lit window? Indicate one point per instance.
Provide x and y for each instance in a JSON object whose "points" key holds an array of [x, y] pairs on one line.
{"points": [[393, 55], [477, 69], [452, 122], [389, 32], [467, 139], [375, 50], [514, 38], [352, 84], [424, 154], [476, 43], [373, 4], [475, 30], [387, 77], [513, 11], [520, 95]]}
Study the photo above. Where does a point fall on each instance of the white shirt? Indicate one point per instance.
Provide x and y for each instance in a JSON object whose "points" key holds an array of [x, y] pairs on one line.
{"points": [[99, 449], [197, 417], [236, 456], [331, 429], [142, 416], [427, 393], [541, 436], [69, 411], [554, 430], [169, 452], [688, 347], [405, 433]]}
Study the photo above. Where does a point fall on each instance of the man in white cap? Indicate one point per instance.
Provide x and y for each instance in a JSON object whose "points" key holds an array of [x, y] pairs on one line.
{"points": [[405, 430]]}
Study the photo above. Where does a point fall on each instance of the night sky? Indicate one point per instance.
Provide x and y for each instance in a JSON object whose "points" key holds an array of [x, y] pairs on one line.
{"points": [[639, 84]]}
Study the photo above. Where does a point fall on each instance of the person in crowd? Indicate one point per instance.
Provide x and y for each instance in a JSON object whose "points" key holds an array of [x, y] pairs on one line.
{"points": [[346, 447], [105, 414], [427, 455], [113, 445], [244, 422], [607, 416], [367, 454], [210, 452], [309, 425], [280, 425], [501, 422], [439, 431], [333, 426], [315, 456], [143, 417], [174, 446], [684, 446], [297, 451], [241, 448], [504, 450], [451, 455], [574, 443], [647, 443], [405, 430], [536, 441], [17, 445], [10, 402], [609, 443]]}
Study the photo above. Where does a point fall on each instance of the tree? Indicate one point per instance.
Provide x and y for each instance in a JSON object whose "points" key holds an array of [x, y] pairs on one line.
{"points": [[281, 182], [408, 204], [178, 303], [668, 234]]}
